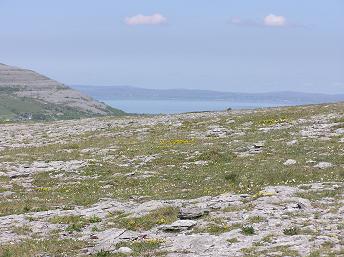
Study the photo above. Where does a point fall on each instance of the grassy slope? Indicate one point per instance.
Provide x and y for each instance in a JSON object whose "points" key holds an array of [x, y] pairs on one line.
{"points": [[12, 106]]}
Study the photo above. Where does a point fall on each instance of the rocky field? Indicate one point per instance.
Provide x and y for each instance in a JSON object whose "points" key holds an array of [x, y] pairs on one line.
{"points": [[266, 182]]}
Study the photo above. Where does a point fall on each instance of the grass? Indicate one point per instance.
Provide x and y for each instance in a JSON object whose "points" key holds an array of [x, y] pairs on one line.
{"points": [[233, 240], [216, 226], [165, 215], [247, 230], [55, 247], [10, 105], [75, 223], [291, 231], [213, 229], [256, 219], [22, 230]]}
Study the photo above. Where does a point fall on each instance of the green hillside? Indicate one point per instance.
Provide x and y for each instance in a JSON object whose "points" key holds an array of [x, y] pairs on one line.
{"points": [[27, 95], [24, 108]]}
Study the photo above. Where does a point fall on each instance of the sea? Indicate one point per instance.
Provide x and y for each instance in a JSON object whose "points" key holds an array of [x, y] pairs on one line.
{"points": [[181, 106]]}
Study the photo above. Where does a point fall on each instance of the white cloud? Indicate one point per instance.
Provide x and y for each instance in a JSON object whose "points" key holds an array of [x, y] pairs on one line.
{"points": [[155, 19], [275, 21], [270, 20]]}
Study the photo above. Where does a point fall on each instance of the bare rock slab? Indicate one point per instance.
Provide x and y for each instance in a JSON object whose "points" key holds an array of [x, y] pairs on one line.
{"points": [[289, 162], [192, 213], [179, 225], [125, 250], [323, 165]]}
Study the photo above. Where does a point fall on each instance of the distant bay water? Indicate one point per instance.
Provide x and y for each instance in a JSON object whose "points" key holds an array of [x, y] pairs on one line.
{"points": [[181, 106], [169, 101]]}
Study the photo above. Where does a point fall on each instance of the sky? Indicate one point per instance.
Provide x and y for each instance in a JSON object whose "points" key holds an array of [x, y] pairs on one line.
{"points": [[241, 45]]}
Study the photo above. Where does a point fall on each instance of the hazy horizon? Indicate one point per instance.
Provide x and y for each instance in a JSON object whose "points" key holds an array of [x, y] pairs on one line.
{"points": [[205, 89], [230, 46]]}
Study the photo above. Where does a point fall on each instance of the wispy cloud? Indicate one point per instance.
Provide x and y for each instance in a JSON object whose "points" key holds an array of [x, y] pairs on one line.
{"points": [[270, 20], [273, 20], [155, 19]]}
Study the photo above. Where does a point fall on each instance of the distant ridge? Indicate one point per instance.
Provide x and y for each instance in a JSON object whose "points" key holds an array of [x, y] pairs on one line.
{"points": [[136, 93], [25, 94]]}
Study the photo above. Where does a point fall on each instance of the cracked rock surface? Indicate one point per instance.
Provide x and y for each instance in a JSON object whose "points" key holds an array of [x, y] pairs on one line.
{"points": [[263, 182]]}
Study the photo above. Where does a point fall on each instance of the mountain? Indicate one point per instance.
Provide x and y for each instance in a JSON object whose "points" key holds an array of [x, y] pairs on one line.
{"points": [[25, 94], [134, 93]]}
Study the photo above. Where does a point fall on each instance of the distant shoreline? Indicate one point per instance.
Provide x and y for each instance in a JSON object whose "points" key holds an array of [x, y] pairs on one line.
{"points": [[126, 93], [182, 106]]}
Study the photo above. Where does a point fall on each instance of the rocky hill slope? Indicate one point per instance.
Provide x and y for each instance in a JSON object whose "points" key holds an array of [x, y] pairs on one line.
{"points": [[25, 94], [266, 182]]}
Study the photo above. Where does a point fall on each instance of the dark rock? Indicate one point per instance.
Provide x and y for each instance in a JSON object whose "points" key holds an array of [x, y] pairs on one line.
{"points": [[192, 213], [93, 237], [19, 175]]}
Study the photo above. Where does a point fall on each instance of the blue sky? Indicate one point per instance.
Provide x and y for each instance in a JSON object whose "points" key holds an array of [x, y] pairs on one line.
{"points": [[247, 46]]}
